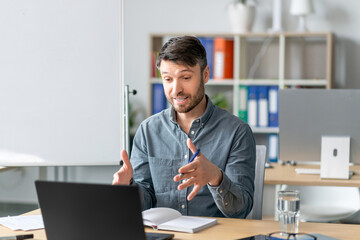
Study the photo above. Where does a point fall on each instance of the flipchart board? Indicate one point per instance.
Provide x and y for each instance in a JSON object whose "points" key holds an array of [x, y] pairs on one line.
{"points": [[61, 88]]}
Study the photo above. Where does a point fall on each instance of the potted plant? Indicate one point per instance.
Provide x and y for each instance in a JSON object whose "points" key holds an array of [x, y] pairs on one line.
{"points": [[241, 15]]}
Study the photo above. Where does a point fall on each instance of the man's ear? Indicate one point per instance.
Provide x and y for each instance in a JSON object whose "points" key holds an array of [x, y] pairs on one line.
{"points": [[206, 74]]}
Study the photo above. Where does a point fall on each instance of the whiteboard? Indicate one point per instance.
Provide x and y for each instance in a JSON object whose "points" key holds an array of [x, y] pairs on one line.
{"points": [[61, 89]]}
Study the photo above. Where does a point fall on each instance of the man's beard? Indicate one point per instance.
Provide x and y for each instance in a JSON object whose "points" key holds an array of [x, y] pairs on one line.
{"points": [[197, 99]]}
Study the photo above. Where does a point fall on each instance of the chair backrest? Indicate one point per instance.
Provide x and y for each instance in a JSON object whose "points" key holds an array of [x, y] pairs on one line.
{"points": [[256, 212]]}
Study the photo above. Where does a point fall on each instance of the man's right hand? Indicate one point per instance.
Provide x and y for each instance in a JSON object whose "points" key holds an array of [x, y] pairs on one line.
{"points": [[124, 175]]}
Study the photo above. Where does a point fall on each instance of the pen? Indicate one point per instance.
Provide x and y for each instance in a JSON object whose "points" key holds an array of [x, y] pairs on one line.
{"points": [[192, 158], [18, 237]]}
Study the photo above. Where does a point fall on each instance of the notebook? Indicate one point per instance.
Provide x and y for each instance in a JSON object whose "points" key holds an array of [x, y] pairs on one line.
{"points": [[164, 218], [79, 211]]}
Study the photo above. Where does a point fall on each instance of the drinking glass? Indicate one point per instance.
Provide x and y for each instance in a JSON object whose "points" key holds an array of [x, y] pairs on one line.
{"points": [[289, 211]]}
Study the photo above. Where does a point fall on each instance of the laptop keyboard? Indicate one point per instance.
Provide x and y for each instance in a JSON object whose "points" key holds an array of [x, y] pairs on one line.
{"points": [[159, 236]]}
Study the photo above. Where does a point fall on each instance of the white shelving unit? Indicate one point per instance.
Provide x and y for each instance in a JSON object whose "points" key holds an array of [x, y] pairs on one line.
{"points": [[291, 60]]}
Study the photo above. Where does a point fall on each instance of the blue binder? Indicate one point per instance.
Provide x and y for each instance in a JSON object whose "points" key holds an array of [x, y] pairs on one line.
{"points": [[273, 152], [158, 98], [263, 106], [208, 44], [252, 106], [273, 106]]}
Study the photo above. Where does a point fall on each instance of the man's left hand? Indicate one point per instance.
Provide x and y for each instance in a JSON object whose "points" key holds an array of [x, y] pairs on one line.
{"points": [[198, 173]]}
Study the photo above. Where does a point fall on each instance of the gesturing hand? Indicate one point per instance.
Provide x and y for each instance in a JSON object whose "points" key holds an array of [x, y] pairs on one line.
{"points": [[124, 175], [198, 173]]}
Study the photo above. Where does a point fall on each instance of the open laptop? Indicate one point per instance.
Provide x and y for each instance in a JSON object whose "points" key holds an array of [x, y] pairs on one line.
{"points": [[76, 211]]}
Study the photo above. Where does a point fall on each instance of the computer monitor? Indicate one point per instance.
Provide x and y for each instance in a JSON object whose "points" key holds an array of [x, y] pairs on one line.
{"points": [[307, 114]]}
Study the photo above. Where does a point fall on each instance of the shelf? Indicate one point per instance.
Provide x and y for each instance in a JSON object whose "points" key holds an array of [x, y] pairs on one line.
{"points": [[268, 82], [233, 82], [155, 80], [251, 34], [306, 82], [265, 130], [225, 82]]}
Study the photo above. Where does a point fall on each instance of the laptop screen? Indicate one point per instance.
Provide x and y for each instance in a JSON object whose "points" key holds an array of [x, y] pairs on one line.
{"points": [[90, 211]]}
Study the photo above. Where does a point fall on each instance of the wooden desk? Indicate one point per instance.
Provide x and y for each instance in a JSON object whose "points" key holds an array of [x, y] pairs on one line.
{"points": [[285, 174], [3, 169], [229, 228]]}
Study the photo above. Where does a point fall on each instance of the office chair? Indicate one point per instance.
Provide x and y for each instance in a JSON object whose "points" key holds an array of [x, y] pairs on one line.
{"points": [[256, 212], [326, 204]]}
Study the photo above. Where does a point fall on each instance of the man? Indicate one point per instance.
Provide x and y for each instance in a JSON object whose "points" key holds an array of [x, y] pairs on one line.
{"points": [[220, 180]]}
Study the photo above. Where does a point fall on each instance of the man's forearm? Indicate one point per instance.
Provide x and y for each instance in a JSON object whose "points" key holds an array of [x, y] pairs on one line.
{"points": [[232, 200]]}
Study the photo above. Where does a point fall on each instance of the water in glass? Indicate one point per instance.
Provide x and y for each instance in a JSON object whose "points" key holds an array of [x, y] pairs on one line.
{"points": [[289, 211]]}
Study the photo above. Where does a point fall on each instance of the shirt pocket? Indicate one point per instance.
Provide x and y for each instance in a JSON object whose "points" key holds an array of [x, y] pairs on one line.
{"points": [[163, 172]]}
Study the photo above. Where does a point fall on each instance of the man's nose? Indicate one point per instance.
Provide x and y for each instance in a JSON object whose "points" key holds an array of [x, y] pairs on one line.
{"points": [[177, 87]]}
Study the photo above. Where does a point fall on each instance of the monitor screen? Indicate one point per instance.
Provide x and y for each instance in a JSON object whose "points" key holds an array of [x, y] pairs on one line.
{"points": [[307, 114]]}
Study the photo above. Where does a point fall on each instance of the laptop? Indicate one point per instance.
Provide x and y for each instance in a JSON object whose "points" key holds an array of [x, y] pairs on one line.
{"points": [[76, 211]]}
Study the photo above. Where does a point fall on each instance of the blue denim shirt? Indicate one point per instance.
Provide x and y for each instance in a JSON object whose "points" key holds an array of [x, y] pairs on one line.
{"points": [[159, 150]]}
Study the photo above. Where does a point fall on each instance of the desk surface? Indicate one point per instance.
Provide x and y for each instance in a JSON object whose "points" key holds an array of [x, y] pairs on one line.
{"points": [[229, 228], [2, 169], [285, 174]]}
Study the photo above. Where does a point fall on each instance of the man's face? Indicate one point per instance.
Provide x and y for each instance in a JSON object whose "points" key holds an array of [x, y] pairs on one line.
{"points": [[183, 85]]}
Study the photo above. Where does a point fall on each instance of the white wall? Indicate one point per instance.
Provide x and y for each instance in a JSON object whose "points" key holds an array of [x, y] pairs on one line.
{"points": [[143, 17]]}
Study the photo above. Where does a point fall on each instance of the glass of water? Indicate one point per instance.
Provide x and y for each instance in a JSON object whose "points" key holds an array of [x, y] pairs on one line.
{"points": [[289, 211]]}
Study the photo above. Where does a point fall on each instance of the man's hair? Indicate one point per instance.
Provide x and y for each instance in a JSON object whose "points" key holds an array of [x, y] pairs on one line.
{"points": [[186, 50]]}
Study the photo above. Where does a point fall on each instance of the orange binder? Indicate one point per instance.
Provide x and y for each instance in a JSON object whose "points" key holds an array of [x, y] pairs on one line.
{"points": [[223, 58]]}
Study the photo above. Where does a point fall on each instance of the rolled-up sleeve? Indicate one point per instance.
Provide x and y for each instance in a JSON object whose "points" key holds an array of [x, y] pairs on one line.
{"points": [[234, 196]]}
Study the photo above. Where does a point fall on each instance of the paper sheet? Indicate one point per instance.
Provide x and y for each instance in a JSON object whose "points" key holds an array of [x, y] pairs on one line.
{"points": [[26, 223]]}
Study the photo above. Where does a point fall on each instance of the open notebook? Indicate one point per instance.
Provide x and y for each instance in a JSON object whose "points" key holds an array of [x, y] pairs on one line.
{"points": [[169, 219]]}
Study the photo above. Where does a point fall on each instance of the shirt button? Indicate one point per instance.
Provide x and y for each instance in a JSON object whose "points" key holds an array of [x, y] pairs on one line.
{"points": [[221, 191], [226, 203], [202, 124], [185, 156], [192, 132], [198, 120], [183, 206]]}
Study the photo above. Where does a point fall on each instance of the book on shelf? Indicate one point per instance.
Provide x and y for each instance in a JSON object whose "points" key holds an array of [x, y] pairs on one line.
{"points": [[258, 105], [153, 67], [223, 58], [155, 73], [243, 101], [208, 44], [252, 106], [263, 106], [273, 143], [273, 106], [159, 101], [163, 218]]}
